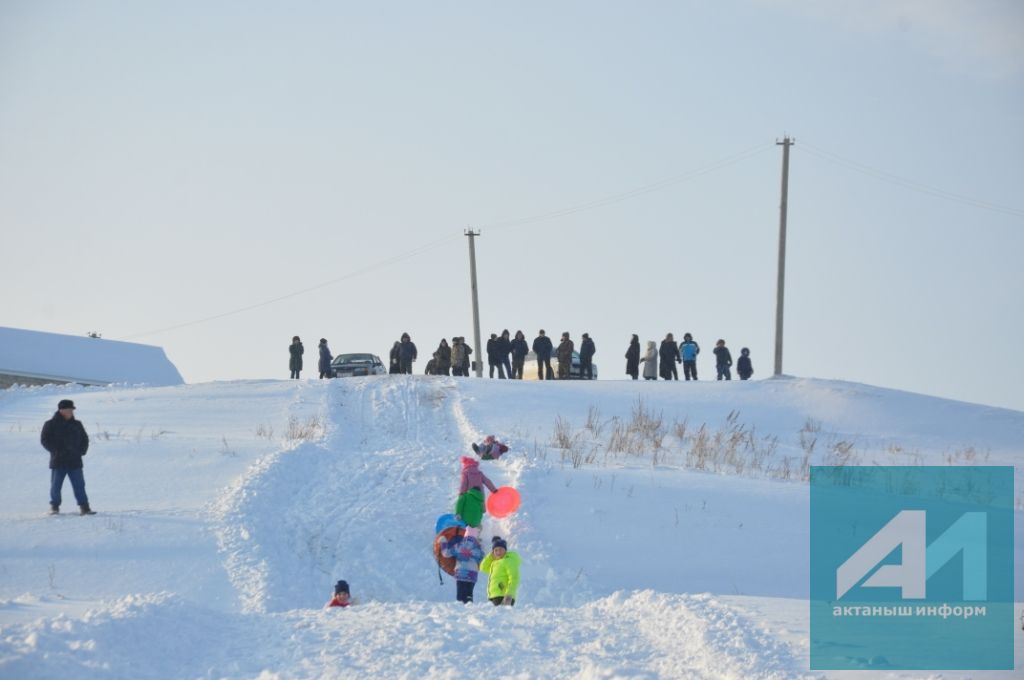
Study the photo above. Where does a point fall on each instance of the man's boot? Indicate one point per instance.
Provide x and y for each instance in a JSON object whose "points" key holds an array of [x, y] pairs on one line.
{"points": [[54, 509], [86, 510]]}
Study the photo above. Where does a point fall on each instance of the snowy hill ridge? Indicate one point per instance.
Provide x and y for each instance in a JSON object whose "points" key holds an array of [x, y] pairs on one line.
{"points": [[663, 529]]}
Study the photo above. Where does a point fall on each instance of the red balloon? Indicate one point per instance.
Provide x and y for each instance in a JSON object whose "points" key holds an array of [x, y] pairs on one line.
{"points": [[503, 502]]}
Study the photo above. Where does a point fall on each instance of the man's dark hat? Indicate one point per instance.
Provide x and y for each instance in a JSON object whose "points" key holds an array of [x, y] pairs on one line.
{"points": [[65, 403]]}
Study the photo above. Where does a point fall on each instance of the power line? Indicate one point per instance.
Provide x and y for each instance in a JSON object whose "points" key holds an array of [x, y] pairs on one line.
{"points": [[378, 265], [836, 159], [638, 191], [597, 203]]}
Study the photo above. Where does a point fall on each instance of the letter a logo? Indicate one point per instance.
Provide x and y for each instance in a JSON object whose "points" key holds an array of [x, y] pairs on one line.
{"points": [[966, 536]]}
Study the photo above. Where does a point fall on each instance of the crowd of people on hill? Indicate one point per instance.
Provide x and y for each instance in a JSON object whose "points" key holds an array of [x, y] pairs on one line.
{"points": [[506, 356]]}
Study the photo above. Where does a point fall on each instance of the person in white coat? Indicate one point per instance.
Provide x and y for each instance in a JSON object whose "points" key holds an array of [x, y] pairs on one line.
{"points": [[650, 360]]}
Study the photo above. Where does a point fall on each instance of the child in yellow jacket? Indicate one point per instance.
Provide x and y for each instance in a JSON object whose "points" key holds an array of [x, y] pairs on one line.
{"points": [[502, 569]]}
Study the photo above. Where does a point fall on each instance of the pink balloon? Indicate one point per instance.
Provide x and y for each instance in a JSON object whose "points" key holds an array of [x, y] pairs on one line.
{"points": [[503, 502]]}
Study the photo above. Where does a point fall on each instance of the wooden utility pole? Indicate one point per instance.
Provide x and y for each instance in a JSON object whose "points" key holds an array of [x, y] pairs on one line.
{"points": [[781, 285], [476, 302]]}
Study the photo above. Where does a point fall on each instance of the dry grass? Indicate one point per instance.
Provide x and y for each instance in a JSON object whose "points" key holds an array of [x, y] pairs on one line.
{"points": [[310, 429]]}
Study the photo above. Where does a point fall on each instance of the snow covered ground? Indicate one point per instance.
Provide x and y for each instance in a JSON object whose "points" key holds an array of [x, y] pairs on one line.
{"points": [[663, 531]]}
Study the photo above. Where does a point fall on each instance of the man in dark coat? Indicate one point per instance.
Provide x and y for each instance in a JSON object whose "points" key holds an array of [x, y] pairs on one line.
{"points": [[503, 347], [295, 351], [407, 353], [587, 351], [519, 351], [66, 440], [668, 354], [492, 356], [565, 349], [542, 348]]}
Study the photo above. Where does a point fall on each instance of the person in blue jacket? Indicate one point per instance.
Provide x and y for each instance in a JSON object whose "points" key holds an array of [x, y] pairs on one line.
{"points": [[689, 350], [325, 360]]}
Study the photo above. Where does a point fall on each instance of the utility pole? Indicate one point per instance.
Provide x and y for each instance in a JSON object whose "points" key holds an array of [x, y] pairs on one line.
{"points": [[780, 287], [476, 302]]}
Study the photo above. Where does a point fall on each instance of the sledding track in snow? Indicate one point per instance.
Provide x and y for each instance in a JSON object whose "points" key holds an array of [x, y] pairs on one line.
{"points": [[351, 502]]}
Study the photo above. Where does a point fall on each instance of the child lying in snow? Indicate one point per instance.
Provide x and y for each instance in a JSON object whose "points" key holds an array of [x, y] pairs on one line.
{"points": [[341, 596], [490, 448]]}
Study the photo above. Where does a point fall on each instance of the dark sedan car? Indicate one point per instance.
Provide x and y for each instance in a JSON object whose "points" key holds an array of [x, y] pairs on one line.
{"points": [[349, 365]]}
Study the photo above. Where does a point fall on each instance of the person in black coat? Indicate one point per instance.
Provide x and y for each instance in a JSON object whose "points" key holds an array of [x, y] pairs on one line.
{"points": [[325, 360], [633, 358], [542, 347], [587, 351], [65, 438], [442, 358], [467, 363], [744, 368], [723, 360], [295, 351], [503, 349], [519, 351], [406, 353], [492, 356], [668, 355], [395, 358]]}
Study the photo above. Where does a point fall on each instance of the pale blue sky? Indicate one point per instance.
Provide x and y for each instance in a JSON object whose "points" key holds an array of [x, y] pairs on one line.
{"points": [[162, 163]]}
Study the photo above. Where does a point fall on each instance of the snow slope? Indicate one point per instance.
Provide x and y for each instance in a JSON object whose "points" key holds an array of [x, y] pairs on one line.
{"points": [[227, 511]]}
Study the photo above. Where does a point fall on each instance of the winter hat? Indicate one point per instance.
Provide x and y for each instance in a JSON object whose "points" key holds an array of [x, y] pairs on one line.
{"points": [[498, 542], [323, 341], [341, 587], [468, 462], [744, 351], [65, 403]]}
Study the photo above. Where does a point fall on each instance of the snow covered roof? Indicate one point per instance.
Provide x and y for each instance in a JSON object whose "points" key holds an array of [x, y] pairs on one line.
{"points": [[91, 361]]}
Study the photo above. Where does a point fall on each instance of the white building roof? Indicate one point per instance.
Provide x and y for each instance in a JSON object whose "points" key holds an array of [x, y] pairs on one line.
{"points": [[92, 361]]}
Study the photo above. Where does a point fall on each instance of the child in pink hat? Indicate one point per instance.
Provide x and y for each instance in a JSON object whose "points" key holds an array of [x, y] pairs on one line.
{"points": [[470, 505]]}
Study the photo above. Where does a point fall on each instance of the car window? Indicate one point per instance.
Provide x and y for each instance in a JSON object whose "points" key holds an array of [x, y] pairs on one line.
{"points": [[354, 358]]}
